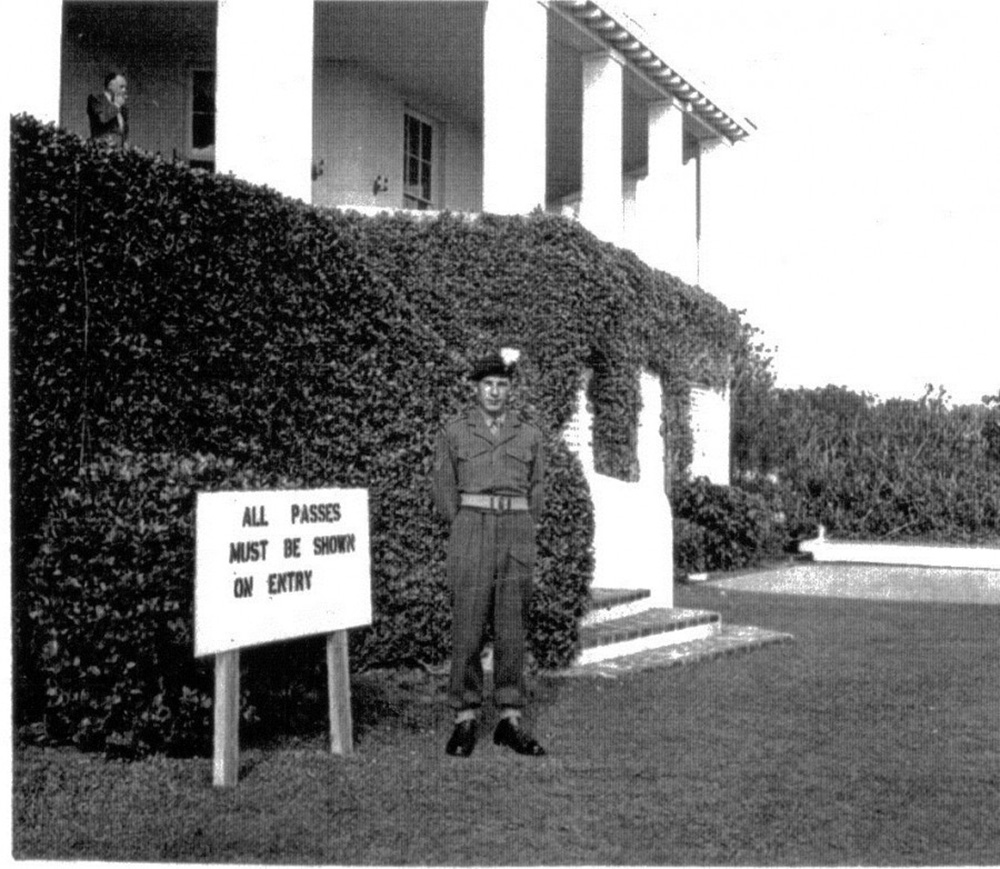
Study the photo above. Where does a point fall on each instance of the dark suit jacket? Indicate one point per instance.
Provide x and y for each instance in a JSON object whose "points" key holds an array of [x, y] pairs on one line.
{"points": [[103, 115]]}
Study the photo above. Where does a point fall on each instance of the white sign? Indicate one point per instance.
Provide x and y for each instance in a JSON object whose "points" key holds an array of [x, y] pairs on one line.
{"points": [[276, 565]]}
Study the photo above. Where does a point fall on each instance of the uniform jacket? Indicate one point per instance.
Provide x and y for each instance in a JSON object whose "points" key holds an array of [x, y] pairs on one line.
{"points": [[470, 459], [103, 115]]}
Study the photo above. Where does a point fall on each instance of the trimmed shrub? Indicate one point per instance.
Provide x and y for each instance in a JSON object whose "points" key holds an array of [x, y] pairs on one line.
{"points": [[564, 554], [110, 598], [719, 528], [899, 469]]}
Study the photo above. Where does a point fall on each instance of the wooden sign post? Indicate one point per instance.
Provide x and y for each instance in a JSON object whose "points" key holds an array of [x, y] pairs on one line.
{"points": [[338, 680], [273, 566], [226, 738]]}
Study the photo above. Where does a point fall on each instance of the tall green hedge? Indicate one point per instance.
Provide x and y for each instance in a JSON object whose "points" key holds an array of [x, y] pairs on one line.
{"points": [[162, 311], [900, 469]]}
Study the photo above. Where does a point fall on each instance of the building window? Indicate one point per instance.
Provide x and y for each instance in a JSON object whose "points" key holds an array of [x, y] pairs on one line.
{"points": [[419, 176], [202, 149]]}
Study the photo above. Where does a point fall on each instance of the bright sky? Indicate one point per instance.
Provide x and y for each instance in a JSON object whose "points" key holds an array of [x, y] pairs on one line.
{"points": [[862, 218]]}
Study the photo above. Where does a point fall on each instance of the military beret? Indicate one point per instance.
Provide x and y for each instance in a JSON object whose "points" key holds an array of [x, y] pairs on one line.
{"points": [[494, 365]]}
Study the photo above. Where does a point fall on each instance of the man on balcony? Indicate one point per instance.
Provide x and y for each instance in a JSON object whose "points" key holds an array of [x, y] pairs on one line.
{"points": [[108, 113]]}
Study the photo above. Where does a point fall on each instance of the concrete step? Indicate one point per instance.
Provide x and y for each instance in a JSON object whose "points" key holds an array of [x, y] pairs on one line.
{"points": [[615, 603], [650, 628], [728, 640]]}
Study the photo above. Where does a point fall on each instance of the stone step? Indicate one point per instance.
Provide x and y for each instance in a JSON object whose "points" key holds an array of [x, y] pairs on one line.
{"points": [[729, 640], [649, 628], [614, 603]]}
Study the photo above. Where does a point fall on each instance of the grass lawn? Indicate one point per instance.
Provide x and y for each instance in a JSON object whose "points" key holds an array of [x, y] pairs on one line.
{"points": [[874, 738]]}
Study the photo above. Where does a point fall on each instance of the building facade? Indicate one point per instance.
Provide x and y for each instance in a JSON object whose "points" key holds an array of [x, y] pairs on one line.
{"points": [[502, 106]]}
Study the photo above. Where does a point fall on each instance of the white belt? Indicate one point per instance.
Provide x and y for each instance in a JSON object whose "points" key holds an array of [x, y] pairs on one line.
{"points": [[494, 503]]}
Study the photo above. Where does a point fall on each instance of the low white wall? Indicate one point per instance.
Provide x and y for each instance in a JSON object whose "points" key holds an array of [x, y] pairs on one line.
{"points": [[859, 552]]}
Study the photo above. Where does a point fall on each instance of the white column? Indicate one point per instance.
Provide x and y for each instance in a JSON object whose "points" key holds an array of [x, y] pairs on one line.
{"points": [[32, 46], [601, 187], [264, 93], [633, 530], [652, 516], [721, 173], [686, 204], [515, 35], [651, 447], [665, 214], [578, 434], [710, 434]]}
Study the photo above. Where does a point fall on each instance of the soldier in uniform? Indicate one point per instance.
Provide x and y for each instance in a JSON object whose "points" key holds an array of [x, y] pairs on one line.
{"points": [[488, 484]]}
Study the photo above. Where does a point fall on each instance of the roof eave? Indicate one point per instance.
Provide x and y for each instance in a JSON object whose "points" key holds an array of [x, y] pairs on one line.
{"points": [[628, 39]]}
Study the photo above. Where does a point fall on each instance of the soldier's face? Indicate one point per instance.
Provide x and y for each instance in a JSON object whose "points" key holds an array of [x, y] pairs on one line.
{"points": [[492, 394]]}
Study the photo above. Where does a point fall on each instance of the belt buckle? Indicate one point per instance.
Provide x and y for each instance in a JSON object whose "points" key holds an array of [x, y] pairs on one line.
{"points": [[500, 503]]}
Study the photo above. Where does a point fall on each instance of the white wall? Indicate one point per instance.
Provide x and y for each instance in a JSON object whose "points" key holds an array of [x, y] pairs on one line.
{"points": [[633, 526], [358, 133], [710, 425]]}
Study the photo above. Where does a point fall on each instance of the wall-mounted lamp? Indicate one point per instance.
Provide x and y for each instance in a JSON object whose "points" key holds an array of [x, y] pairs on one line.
{"points": [[380, 185], [317, 169]]}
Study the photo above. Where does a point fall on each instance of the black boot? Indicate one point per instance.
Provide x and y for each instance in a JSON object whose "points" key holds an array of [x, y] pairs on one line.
{"points": [[510, 734], [463, 739]]}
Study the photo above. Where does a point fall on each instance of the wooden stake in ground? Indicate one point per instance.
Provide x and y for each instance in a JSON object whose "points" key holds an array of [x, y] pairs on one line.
{"points": [[226, 758], [339, 690], [226, 750]]}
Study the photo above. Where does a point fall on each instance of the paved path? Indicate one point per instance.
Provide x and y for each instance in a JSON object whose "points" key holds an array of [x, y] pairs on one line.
{"points": [[874, 582]]}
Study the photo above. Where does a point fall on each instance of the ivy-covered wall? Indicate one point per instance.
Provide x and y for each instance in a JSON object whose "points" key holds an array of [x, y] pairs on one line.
{"points": [[164, 312]]}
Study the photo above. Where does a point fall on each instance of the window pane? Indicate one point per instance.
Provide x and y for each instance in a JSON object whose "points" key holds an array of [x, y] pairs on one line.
{"points": [[412, 135], [425, 150], [204, 91], [418, 150], [202, 131], [426, 183]]}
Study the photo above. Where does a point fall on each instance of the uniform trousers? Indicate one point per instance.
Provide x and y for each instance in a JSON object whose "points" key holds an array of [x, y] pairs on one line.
{"points": [[491, 557]]}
